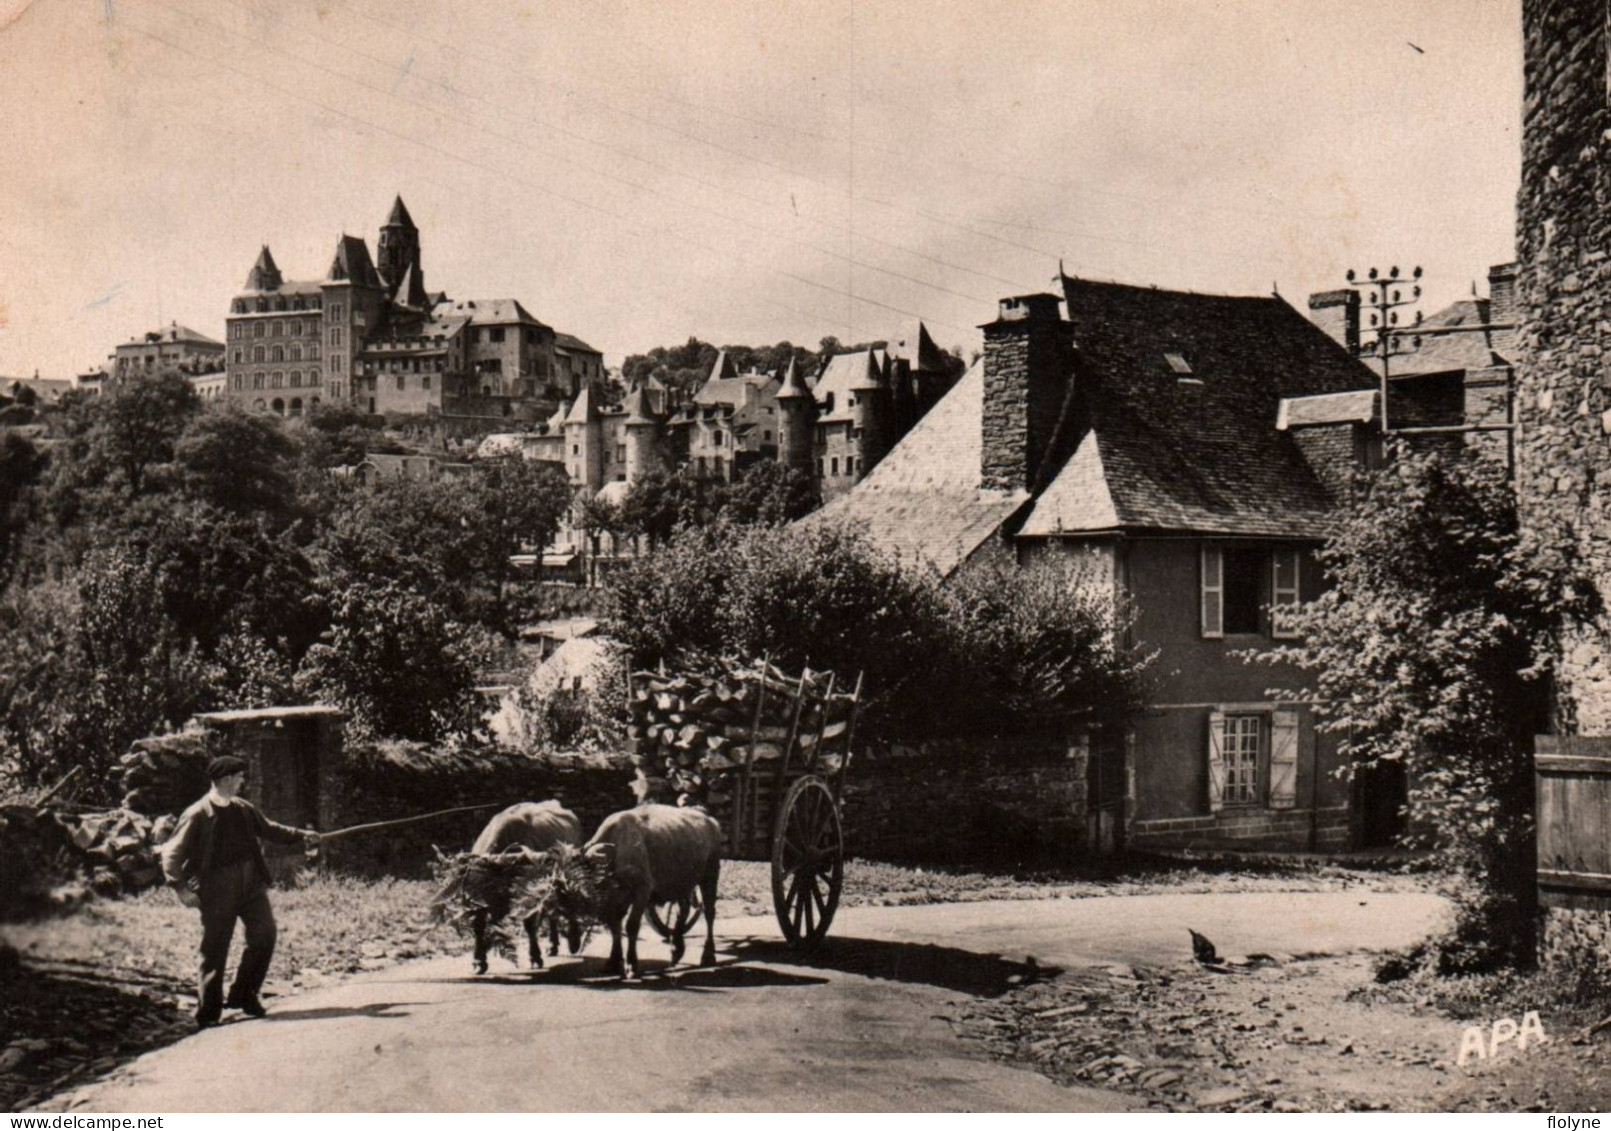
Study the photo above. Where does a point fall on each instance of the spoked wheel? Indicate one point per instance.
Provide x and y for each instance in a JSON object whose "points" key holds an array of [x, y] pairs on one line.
{"points": [[662, 916], [808, 862]]}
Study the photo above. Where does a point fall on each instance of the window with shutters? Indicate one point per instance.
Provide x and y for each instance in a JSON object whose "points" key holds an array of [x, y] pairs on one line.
{"points": [[1239, 747], [1284, 595]]}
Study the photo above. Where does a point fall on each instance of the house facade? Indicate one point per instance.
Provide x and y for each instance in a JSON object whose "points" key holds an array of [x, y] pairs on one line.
{"points": [[1189, 450]]}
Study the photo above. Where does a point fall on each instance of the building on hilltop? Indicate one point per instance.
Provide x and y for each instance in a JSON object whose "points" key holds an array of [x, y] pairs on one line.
{"points": [[172, 349], [369, 334], [1189, 450]]}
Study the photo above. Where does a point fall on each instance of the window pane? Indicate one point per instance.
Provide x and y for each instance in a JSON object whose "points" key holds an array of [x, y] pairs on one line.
{"points": [[1244, 569], [1239, 745]]}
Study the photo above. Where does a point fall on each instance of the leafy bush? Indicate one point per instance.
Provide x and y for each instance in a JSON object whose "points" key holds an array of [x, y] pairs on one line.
{"points": [[1432, 649], [996, 649]]}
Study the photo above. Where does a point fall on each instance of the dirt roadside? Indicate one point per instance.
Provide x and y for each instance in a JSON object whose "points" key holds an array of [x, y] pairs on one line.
{"points": [[1280, 1035]]}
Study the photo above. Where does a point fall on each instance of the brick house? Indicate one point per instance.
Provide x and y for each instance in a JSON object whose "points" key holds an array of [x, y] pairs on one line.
{"points": [[1191, 449]]}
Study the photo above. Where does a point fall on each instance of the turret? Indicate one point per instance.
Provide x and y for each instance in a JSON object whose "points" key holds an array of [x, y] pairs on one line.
{"points": [[584, 448], [643, 432], [264, 275], [797, 410]]}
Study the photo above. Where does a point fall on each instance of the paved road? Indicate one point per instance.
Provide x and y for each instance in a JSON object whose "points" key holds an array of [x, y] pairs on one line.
{"points": [[856, 1029]]}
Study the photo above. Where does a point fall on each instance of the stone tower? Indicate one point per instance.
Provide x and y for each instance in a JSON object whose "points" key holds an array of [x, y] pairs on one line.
{"points": [[1563, 297], [797, 410], [399, 257], [643, 433]]}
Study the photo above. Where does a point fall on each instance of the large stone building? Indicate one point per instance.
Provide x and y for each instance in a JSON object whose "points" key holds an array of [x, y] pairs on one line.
{"points": [[369, 334]]}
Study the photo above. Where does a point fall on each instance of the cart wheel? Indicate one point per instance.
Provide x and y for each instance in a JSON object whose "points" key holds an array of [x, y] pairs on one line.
{"points": [[660, 915], [808, 862]]}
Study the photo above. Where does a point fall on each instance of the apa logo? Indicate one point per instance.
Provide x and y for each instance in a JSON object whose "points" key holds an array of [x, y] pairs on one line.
{"points": [[1503, 1031]]}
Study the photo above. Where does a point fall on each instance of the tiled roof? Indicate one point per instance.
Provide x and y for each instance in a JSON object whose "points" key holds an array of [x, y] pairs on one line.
{"points": [[730, 390], [1200, 454], [843, 375], [352, 264], [1471, 346], [572, 344], [486, 311], [922, 501], [584, 409], [287, 287], [916, 346]]}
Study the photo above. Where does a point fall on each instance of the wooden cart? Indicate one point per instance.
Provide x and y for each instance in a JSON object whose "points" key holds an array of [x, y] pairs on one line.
{"points": [[786, 807]]}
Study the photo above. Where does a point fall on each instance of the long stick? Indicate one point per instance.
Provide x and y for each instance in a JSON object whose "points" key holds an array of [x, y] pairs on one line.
{"points": [[407, 820], [57, 788]]}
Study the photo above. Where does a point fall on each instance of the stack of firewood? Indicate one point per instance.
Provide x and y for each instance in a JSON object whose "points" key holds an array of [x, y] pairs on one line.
{"points": [[119, 848], [164, 775], [691, 734]]}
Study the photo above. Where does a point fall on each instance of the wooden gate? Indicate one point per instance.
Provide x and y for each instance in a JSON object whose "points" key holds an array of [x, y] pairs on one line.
{"points": [[1574, 820]]}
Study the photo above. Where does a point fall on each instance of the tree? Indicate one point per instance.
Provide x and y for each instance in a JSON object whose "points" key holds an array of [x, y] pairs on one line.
{"points": [[21, 465], [237, 461], [1431, 650], [767, 493], [657, 504], [395, 662]]}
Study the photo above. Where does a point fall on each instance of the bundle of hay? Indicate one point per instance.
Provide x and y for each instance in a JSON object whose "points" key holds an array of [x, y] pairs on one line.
{"points": [[507, 887]]}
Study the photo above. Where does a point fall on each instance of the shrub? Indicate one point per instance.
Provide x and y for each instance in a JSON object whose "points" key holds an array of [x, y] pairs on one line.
{"points": [[1432, 649], [997, 648]]}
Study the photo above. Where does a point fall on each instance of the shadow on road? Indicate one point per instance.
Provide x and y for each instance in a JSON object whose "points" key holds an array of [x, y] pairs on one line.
{"points": [[374, 1009], [946, 967], [657, 975]]}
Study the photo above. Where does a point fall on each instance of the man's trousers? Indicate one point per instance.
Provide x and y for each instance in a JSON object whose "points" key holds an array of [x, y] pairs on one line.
{"points": [[234, 891]]}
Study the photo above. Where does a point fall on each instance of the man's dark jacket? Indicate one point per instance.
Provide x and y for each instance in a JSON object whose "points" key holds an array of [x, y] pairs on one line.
{"points": [[189, 852]]}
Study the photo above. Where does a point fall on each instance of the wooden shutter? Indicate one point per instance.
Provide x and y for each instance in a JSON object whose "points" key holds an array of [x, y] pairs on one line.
{"points": [[1284, 760], [1213, 592], [1216, 761], [1283, 593]]}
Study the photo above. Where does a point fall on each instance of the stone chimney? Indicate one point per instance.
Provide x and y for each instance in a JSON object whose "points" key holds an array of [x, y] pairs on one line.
{"points": [[1337, 313], [1028, 369], [1503, 309]]}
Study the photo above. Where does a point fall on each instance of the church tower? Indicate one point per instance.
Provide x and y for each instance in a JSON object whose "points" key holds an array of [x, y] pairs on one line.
{"points": [[399, 255]]}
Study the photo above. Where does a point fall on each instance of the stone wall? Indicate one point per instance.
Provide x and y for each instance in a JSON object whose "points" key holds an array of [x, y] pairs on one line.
{"points": [[1249, 830], [381, 782], [989, 799], [1563, 456]]}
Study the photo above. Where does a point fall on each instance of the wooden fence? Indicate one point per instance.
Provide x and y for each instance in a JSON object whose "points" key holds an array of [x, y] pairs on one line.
{"points": [[1574, 821]]}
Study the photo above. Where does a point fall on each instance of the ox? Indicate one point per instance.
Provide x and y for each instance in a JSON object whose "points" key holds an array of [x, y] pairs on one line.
{"points": [[640, 857], [537, 826]]}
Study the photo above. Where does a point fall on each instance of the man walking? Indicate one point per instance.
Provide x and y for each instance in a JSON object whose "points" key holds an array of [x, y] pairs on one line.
{"points": [[215, 862]]}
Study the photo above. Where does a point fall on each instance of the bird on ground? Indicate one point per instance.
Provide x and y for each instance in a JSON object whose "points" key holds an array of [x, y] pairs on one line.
{"points": [[1201, 948]]}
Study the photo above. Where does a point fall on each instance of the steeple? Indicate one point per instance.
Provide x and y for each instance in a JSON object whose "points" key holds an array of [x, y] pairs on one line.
{"points": [[398, 257], [400, 217], [264, 276]]}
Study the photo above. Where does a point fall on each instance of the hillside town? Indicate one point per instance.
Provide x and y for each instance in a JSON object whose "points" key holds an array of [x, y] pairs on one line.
{"points": [[1056, 688]]}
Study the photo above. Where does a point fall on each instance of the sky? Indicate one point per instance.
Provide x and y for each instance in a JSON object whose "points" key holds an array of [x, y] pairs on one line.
{"points": [[638, 172]]}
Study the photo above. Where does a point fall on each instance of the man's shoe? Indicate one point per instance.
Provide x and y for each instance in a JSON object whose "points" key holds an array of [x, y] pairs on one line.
{"points": [[251, 1006], [205, 1023]]}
